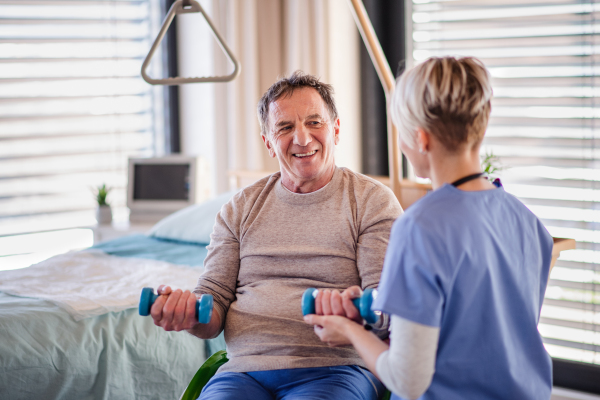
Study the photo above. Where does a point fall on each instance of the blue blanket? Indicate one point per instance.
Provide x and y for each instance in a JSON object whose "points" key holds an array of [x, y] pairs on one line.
{"points": [[142, 246]]}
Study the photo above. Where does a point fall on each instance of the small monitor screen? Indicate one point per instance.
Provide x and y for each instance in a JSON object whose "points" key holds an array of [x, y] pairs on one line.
{"points": [[161, 182]]}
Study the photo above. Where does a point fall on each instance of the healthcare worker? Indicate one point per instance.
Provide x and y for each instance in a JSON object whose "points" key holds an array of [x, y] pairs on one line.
{"points": [[467, 265]]}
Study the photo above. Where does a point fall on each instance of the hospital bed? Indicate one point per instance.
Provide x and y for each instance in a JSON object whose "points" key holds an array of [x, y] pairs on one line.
{"points": [[48, 351]]}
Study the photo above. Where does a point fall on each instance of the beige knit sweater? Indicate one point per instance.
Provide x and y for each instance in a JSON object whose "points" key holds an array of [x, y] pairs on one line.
{"points": [[269, 245]]}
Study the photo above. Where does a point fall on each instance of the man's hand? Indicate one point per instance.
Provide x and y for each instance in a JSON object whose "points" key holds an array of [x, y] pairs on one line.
{"points": [[331, 329], [174, 310], [332, 302]]}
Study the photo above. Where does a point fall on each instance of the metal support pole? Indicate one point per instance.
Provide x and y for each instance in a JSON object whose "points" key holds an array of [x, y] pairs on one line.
{"points": [[387, 81]]}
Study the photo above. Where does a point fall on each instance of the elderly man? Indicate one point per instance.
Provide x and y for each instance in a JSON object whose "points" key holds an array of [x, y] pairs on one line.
{"points": [[310, 225]]}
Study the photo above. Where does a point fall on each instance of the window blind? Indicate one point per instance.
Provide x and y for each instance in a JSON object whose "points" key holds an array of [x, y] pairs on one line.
{"points": [[73, 107], [544, 60]]}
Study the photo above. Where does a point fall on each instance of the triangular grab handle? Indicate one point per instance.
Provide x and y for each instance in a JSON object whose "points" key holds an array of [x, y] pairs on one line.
{"points": [[184, 7]]}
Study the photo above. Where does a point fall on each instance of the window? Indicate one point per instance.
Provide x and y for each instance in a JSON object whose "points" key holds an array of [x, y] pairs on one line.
{"points": [[543, 59], [73, 107]]}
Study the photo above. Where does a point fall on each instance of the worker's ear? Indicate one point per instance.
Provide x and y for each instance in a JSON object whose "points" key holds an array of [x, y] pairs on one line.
{"points": [[423, 141], [269, 145], [336, 132]]}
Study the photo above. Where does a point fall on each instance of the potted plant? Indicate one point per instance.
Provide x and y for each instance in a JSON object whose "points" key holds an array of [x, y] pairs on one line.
{"points": [[103, 212], [491, 165]]}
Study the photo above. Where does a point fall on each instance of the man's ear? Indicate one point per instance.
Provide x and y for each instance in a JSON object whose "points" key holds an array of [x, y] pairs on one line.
{"points": [[336, 132], [269, 145]]}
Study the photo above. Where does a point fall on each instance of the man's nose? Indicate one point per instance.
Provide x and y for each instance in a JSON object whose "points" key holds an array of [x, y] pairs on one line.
{"points": [[302, 136]]}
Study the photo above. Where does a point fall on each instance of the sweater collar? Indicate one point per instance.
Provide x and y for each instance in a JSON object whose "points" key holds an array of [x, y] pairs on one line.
{"points": [[317, 196]]}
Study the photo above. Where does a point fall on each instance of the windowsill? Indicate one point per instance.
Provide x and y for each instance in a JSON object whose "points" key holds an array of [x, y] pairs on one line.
{"points": [[567, 394]]}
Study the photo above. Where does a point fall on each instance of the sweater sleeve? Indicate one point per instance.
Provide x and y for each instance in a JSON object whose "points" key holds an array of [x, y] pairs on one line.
{"points": [[222, 264], [377, 214], [407, 368]]}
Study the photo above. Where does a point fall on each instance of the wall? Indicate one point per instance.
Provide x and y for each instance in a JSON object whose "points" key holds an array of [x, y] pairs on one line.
{"points": [[344, 75]]}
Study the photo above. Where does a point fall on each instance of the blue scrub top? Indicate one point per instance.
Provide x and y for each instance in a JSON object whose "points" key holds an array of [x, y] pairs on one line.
{"points": [[474, 264]]}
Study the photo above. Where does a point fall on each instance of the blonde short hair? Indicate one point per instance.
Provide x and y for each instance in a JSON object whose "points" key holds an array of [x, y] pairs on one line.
{"points": [[446, 97]]}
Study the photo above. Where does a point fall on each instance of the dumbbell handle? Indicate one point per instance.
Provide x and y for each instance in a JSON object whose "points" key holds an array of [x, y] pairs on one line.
{"points": [[204, 305], [362, 304]]}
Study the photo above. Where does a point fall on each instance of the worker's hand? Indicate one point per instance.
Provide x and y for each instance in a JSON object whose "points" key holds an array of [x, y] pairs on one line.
{"points": [[331, 329], [174, 310], [332, 302]]}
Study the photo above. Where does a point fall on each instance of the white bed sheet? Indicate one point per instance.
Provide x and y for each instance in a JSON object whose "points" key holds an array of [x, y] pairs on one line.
{"points": [[92, 283]]}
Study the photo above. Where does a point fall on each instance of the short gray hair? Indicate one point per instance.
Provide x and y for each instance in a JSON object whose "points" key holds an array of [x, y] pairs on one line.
{"points": [[285, 87], [447, 97]]}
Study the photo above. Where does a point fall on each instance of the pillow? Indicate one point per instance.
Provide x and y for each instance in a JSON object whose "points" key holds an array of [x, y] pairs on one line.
{"points": [[193, 224]]}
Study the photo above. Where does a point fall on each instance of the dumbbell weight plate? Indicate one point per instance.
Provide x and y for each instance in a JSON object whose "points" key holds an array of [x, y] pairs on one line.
{"points": [[147, 298], [308, 301], [204, 309], [366, 301]]}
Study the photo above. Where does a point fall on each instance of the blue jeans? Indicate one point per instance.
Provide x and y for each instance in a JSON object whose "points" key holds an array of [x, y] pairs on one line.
{"points": [[327, 383]]}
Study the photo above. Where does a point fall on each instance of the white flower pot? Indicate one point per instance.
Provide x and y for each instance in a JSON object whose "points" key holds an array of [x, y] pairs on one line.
{"points": [[103, 215]]}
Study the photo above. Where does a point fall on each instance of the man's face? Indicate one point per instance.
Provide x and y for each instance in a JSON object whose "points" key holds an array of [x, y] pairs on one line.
{"points": [[303, 138]]}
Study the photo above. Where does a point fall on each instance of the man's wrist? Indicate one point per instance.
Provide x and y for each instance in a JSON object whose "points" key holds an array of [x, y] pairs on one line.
{"points": [[210, 330]]}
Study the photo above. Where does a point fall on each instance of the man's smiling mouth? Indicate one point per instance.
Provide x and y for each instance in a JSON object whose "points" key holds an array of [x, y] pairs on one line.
{"points": [[300, 155]]}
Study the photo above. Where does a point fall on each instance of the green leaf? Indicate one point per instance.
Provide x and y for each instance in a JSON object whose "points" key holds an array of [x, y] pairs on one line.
{"points": [[100, 194], [491, 163], [206, 371]]}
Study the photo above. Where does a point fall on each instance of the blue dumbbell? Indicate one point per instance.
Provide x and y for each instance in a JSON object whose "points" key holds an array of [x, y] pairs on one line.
{"points": [[363, 304], [204, 306]]}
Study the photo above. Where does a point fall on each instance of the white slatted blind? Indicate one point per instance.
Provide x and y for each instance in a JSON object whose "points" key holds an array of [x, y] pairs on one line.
{"points": [[545, 64], [73, 107]]}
